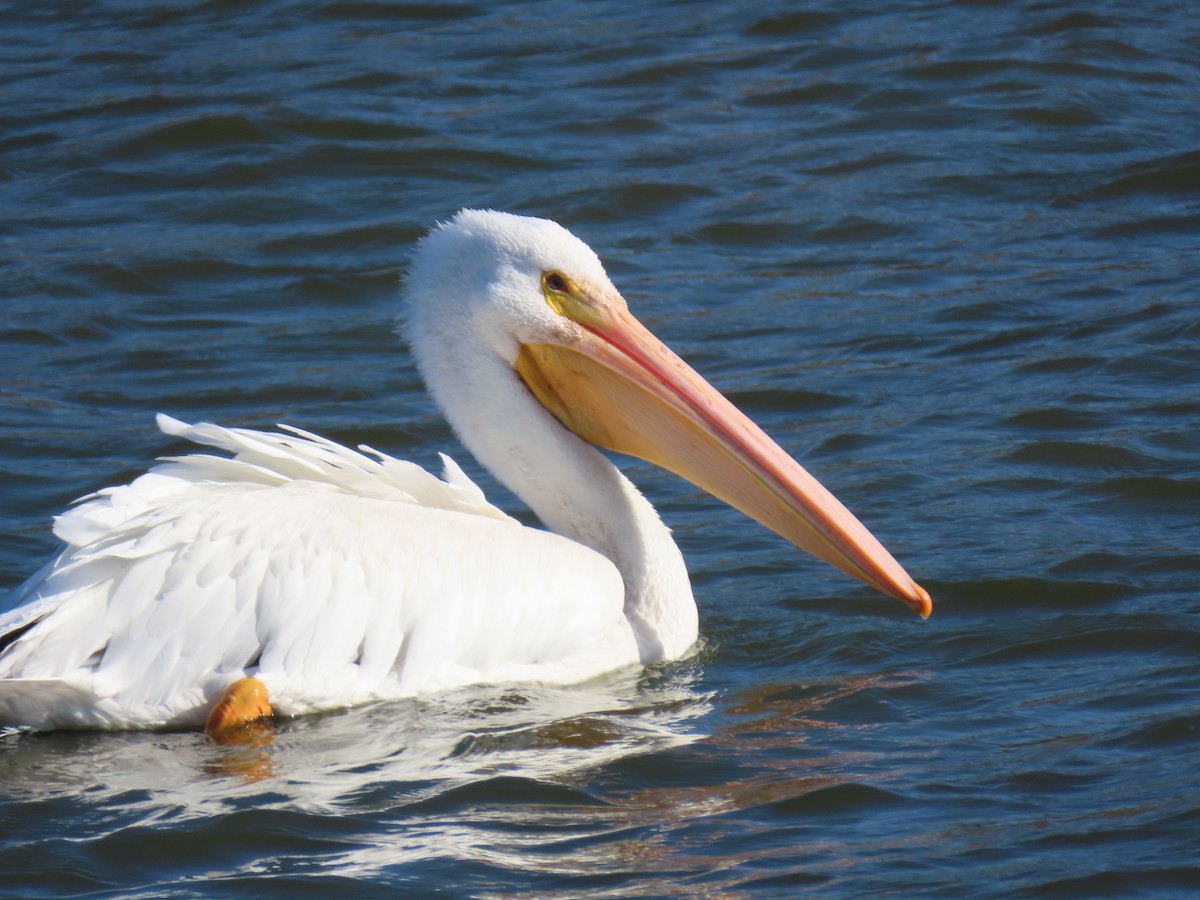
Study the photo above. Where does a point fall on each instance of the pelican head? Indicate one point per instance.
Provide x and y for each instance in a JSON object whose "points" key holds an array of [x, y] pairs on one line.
{"points": [[559, 336]]}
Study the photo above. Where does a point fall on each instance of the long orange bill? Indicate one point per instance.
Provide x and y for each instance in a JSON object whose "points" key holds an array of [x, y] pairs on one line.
{"points": [[616, 385]]}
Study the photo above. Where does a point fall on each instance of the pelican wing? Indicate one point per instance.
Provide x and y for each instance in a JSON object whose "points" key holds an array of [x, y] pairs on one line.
{"points": [[308, 565]]}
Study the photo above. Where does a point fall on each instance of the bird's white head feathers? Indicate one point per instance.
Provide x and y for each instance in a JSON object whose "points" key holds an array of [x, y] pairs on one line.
{"points": [[480, 274]]}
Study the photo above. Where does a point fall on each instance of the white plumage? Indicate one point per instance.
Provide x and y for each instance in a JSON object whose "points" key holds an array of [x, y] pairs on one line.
{"points": [[337, 577], [295, 560]]}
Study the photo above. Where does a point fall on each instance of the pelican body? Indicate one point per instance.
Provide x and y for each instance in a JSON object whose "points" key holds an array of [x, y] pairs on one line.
{"points": [[325, 576]]}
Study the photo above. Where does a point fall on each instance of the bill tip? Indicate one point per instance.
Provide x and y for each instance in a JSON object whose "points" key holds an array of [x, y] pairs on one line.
{"points": [[921, 603]]}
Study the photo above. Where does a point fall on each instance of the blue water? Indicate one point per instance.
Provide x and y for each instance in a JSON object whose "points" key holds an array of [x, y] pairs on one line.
{"points": [[946, 253]]}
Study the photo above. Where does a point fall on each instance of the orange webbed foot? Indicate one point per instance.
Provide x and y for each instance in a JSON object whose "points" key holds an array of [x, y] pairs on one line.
{"points": [[243, 701]]}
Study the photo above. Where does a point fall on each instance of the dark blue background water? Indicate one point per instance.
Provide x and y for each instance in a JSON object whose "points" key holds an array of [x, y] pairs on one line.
{"points": [[947, 253]]}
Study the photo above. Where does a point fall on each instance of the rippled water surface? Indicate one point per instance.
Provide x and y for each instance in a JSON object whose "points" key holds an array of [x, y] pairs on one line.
{"points": [[947, 253]]}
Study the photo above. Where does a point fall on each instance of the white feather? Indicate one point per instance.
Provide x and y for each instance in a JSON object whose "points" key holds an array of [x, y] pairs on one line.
{"points": [[297, 563], [338, 576]]}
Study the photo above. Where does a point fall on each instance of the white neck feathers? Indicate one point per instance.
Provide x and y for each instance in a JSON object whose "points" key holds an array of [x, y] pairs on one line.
{"points": [[572, 488]]}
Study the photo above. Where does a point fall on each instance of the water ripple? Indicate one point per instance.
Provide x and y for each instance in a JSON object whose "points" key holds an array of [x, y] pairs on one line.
{"points": [[945, 253]]}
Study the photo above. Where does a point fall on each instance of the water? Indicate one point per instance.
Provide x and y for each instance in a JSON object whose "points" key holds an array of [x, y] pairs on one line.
{"points": [[946, 253]]}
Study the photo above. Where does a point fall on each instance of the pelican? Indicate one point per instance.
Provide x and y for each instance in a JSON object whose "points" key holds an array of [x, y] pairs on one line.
{"points": [[292, 574]]}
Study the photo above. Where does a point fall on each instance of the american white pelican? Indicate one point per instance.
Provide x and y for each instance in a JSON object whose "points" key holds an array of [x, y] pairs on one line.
{"points": [[307, 575]]}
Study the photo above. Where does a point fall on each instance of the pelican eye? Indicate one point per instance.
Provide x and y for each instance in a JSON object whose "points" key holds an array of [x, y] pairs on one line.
{"points": [[568, 299]]}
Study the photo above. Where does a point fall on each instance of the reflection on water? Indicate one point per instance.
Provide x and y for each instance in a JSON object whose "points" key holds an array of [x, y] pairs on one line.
{"points": [[535, 780], [778, 786], [247, 752], [420, 747]]}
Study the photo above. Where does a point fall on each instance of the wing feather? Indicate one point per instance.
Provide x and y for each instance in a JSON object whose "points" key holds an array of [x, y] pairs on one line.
{"points": [[332, 575]]}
